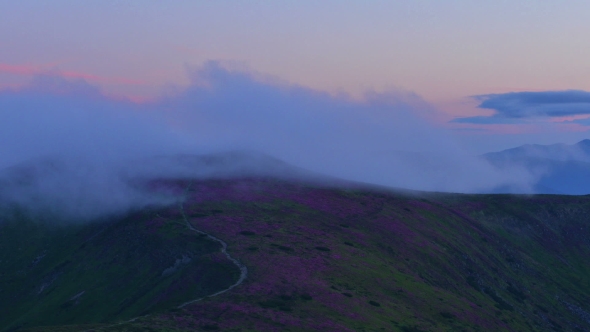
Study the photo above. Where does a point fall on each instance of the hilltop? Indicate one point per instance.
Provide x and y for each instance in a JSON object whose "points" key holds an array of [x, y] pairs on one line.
{"points": [[318, 258]]}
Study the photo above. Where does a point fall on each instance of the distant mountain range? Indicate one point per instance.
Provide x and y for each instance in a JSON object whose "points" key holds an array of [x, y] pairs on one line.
{"points": [[560, 168]]}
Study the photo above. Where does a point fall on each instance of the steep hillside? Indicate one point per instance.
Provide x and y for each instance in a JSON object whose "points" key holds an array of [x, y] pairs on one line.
{"points": [[105, 271], [361, 260]]}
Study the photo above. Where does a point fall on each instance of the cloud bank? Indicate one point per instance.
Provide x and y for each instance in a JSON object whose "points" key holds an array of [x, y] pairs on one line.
{"points": [[67, 145], [513, 107]]}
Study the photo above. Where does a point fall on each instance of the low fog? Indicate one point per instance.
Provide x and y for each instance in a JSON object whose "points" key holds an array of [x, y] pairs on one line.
{"points": [[68, 149]]}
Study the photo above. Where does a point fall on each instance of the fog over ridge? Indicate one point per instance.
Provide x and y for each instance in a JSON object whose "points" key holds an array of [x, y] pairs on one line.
{"points": [[84, 150]]}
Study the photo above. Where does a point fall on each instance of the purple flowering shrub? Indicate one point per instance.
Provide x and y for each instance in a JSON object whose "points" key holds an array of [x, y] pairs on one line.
{"points": [[345, 259]]}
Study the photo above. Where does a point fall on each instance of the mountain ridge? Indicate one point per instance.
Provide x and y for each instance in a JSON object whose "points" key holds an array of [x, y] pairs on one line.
{"points": [[558, 168], [353, 259]]}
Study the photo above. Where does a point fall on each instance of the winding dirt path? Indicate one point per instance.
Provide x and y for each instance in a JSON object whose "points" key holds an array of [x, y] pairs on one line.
{"points": [[242, 267]]}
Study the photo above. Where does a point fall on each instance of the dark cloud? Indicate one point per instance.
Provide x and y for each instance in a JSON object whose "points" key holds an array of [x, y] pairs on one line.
{"points": [[516, 107], [80, 148]]}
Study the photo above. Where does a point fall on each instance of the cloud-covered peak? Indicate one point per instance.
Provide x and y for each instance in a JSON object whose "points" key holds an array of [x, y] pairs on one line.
{"points": [[104, 141]]}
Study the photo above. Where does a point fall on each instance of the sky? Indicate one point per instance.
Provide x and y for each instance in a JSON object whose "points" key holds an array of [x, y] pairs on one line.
{"points": [[446, 52], [70, 150], [397, 93]]}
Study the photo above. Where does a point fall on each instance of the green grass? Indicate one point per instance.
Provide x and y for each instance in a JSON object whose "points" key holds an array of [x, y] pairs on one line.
{"points": [[325, 260], [101, 272]]}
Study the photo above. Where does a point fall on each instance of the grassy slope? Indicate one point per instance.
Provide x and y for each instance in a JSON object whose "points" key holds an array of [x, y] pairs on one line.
{"points": [[358, 260], [101, 272]]}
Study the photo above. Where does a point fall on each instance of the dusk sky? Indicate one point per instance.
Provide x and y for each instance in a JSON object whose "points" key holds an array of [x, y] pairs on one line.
{"points": [[524, 63]]}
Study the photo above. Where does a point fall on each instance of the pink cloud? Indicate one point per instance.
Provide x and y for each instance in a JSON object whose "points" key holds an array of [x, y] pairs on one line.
{"points": [[100, 79], [21, 69], [569, 118], [4, 86], [30, 70]]}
